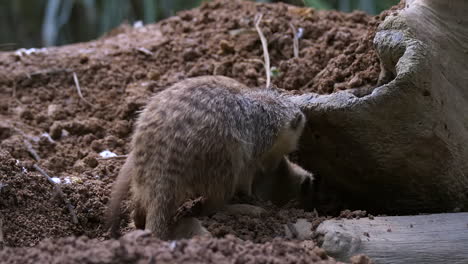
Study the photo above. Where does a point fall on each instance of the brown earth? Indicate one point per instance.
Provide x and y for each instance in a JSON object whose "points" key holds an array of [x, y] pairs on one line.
{"points": [[40, 107]]}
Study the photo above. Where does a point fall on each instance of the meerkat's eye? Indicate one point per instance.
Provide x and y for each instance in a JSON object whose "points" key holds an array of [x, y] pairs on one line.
{"points": [[296, 121]]}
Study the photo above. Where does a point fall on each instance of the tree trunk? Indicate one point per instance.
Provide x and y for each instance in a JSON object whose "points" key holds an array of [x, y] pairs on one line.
{"points": [[403, 148]]}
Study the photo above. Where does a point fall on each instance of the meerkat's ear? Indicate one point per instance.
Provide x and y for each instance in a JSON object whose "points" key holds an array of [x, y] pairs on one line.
{"points": [[295, 123]]}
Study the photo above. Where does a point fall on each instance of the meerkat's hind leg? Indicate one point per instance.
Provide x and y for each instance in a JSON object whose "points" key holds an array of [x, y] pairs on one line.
{"points": [[159, 214], [139, 215]]}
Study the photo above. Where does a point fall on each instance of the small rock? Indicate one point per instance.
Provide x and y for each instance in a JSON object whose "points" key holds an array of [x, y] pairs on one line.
{"points": [[26, 114], [97, 145], [90, 161], [5, 132], [360, 259], [302, 230], [56, 180], [56, 112], [107, 154], [226, 47]]}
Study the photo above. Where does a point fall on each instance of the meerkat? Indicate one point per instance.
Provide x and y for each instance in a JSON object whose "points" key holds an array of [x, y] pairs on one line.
{"points": [[205, 136]]}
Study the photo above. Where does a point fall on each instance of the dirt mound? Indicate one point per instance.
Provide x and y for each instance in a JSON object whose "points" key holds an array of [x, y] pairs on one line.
{"points": [[140, 247], [43, 117]]}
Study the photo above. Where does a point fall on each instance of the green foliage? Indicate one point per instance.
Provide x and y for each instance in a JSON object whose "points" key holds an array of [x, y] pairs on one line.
{"points": [[369, 6], [275, 72], [318, 4], [36, 23]]}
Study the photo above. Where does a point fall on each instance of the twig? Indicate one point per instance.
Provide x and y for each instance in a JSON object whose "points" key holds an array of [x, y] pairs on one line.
{"points": [[266, 56], [306, 85], [49, 71], [114, 157], [191, 207], [78, 88], [255, 61], [295, 40], [2, 240], [31, 150], [59, 191], [145, 51]]}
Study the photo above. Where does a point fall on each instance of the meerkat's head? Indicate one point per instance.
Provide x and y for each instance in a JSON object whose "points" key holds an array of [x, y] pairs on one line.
{"points": [[287, 138], [289, 135], [281, 124]]}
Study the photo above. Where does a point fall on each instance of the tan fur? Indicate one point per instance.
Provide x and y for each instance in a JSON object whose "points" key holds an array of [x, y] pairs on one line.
{"points": [[206, 136], [119, 192]]}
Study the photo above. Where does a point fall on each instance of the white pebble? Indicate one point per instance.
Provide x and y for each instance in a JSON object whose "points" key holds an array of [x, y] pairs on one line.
{"points": [[22, 52], [56, 180], [138, 24], [107, 154]]}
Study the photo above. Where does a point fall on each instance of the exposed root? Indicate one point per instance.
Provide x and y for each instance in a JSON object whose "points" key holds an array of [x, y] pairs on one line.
{"points": [[295, 40], [306, 85], [31, 150], [190, 208], [60, 193], [266, 56], [78, 88]]}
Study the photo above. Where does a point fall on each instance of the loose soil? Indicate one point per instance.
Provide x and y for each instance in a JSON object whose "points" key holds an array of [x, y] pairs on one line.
{"points": [[41, 112]]}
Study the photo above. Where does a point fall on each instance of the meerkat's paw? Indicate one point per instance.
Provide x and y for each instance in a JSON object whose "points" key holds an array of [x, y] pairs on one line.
{"points": [[132, 225], [189, 227], [244, 209]]}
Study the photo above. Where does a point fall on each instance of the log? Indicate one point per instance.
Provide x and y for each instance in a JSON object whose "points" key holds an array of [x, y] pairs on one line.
{"points": [[404, 143], [434, 238]]}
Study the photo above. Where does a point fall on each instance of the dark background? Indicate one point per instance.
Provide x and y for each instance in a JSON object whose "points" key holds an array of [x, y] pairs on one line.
{"points": [[39, 23]]}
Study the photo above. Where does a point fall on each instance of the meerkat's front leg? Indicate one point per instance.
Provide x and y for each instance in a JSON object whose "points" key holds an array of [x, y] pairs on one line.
{"points": [[244, 187]]}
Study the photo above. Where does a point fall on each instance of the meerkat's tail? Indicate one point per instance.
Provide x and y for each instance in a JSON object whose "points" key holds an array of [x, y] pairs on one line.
{"points": [[120, 190]]}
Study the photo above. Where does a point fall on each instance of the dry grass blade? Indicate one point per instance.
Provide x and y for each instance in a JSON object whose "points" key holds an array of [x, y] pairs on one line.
{"points": [[78, 88], [295, 40], [31, 150], [266, 56], [59, 191], [145, 51]]}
